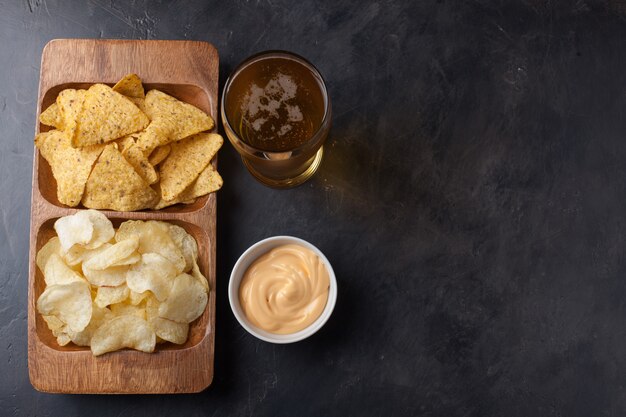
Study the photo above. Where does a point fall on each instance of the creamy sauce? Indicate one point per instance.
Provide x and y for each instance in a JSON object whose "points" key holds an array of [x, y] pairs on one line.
{"points": [[284, 290]]}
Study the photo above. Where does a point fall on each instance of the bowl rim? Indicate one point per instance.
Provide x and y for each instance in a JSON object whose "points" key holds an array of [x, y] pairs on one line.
{"points": [[242, 264]]}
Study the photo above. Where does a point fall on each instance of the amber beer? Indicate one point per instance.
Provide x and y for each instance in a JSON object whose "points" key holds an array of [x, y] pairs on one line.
{"points": [[276, 112]]}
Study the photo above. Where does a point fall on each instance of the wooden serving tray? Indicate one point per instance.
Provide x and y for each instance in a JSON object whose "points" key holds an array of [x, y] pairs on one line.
{"points": [[188, 71]]}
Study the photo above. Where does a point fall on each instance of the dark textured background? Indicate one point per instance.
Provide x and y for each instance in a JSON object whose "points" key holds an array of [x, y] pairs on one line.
{"points": [[472, 202]]}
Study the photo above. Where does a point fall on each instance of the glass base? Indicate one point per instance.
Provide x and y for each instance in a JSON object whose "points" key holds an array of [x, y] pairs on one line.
{"points": [[288, 182]]}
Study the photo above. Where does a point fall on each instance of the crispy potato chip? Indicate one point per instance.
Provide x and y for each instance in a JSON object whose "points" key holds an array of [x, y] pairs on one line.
{"points": [[110, 277], [186, 301], [125, 309], [52, 117], [70, 104], [154, 237], [114, 184], [173, 120], [54, 324], [89, 228], [207, 182], [79, 254], [71, 303], [106, 115], [99, 316], [70, 166], [63, 339], [154, 273], [159, 154], [52, 246], [186, 244], [137, 297], [57, 273], [123, 332], [195, 272], [111, 295], [113, 255], [188, 158], [165, 329], [130, 86], [140, 162]]}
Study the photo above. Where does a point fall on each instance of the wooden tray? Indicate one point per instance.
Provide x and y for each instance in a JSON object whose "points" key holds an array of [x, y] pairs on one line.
{"points": [[188, 71]]}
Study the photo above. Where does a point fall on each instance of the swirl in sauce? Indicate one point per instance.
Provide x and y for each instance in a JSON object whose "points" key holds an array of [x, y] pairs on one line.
{"points": [[284, 290]]}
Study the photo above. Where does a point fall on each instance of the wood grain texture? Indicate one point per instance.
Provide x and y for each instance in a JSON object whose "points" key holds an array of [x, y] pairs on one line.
{"points": [[188, 70]]}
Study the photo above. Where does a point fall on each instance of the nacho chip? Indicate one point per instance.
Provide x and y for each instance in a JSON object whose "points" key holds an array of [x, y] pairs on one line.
{"points": [[188, 158], [159, 154], [182, 119], [106, 115], [140, 162], [52, 117], [114, 184], [70, 166], [126, 142], [130, 86], [70, 103], [207, 182]]}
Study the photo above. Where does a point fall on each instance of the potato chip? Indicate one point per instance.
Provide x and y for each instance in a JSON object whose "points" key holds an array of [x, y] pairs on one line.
{"points": [[188, 158], [186, 244], [70, 166], [165, 329], [207, 182], [110, 277], [186, 301], [172, 120], [195, 272], [130, 86], [140, 162], [52, 246], [123, 332], [106, 115], [125, 309], [114, 184], [89, 228], [99, 316], [136, 298], [71, 303], [54, 324], [57, 273], [111, 295], [154, 237], [70, 104], [79, 254], [52, 117], [63, 339], [154, 273], [113, 255]]}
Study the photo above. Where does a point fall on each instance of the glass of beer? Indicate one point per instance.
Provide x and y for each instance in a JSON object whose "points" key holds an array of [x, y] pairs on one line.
{"points": [[276, 112]]}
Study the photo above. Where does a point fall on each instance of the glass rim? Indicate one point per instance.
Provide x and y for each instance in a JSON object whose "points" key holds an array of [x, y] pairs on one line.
{"points": [[269, 54]]}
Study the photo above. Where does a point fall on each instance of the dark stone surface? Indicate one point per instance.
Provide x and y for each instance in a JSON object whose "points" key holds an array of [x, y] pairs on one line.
{"points": [[472, 202]]}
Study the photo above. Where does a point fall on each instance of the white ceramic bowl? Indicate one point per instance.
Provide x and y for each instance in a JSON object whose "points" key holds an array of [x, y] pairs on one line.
{"points": [[246, 259]]}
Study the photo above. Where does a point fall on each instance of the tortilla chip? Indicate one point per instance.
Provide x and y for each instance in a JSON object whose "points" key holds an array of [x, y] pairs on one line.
{"points": [[159, 154], [125, 142], [51, 117], [130, 86], [70, 166], [114, 184], [174, 120], [106, 116], [142, 166], [207, 182], [186, 161], [70, 103], [139, 102]]}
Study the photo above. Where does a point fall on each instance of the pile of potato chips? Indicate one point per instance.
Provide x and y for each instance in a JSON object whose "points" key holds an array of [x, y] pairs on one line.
{"points": [[127, 288], [120, 149]]}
